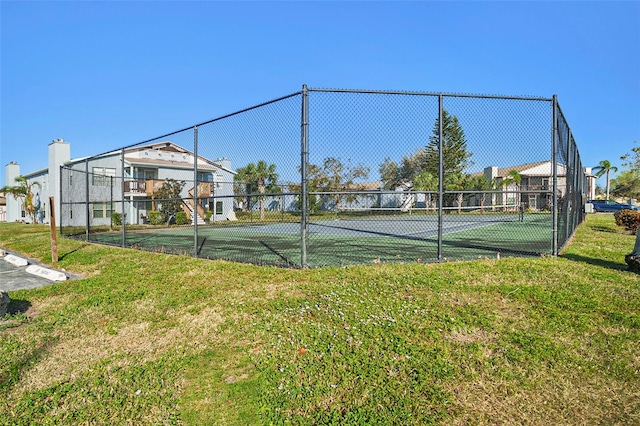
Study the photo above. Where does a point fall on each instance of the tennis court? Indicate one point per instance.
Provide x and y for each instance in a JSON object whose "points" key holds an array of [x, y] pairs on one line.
{"points": [[340, 241], [341, 177]]}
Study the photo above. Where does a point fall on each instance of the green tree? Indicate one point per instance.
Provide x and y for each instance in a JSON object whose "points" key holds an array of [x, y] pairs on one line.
{"points": [[456, 182], [425, 181], [626, 184], [455, 156], [393, 175], [425, 161], [260, 178], [481, 184], [23, 192], [168, 196], [316, 180], [389, 174], [335, 177], [341, 179], [632, 160], [604, 167], [513, 178]]}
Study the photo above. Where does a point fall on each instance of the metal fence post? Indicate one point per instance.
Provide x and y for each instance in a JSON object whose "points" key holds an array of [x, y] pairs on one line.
{"points": [[86, 200], [123, 219], [61, 200], [195, 191], [569, 227], [440, 176], [304, 160], [554, 166], [111, 202]]}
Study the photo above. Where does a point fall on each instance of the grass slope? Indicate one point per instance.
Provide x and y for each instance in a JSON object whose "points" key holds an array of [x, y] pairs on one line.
{"points": [[154, 339]]}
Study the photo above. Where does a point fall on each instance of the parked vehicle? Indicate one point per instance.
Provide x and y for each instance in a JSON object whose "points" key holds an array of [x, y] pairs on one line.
{"points": [[610, 206]]}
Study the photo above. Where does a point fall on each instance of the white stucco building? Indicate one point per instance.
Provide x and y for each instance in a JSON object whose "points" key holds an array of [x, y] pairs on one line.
{"points": [[88, 190]]}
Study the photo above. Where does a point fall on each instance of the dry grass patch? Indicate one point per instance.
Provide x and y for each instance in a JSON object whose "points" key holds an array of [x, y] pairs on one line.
{"points": [[554, 398], [470, 336], [70, 357]]}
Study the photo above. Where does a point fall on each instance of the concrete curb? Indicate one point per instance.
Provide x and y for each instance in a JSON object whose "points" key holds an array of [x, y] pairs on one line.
{"points": [[46, 273], [34, 268], [15, 260]]}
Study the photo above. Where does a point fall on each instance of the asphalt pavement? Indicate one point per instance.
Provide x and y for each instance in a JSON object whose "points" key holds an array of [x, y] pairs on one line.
{"points": [[14, 277]]}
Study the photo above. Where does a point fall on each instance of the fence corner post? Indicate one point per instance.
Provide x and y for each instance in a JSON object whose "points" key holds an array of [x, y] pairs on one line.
{"points": [[54, 235], [304, 160]]}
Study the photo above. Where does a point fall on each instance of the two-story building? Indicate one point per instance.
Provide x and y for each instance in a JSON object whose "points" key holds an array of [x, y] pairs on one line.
{"points": [[89, 190]]}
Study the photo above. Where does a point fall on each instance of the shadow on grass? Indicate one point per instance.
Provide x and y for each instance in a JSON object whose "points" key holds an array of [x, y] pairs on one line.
{"points": [[596, 262], [17, 306], [604, 229], [62, 256]]}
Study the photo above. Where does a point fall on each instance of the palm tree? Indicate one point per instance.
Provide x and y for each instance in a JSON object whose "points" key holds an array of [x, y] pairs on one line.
{"points": [[427, 182], [23, 190], [258, 176], [513, 178], [482, 184], [457, 182], [604, 167]]}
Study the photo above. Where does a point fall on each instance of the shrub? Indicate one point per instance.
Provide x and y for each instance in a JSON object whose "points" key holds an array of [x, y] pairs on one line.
{"points": [[156, 217], [628, 218], [116, 219], [181, 218], [207, 216]]}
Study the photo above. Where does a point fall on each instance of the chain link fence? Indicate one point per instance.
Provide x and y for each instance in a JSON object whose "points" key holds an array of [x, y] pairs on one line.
{"points": [[339, 177]]}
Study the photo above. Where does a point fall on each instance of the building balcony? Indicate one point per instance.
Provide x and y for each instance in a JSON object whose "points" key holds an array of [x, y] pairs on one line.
{"points": [[142, 187], [149, 187], [535, 187]]}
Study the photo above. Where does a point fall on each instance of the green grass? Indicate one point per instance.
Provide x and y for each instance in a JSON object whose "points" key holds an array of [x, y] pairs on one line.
{"points": [[147, 338]]}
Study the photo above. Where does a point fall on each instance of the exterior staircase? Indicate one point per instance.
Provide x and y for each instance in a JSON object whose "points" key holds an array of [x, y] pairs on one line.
{"points": [[186, 206]]}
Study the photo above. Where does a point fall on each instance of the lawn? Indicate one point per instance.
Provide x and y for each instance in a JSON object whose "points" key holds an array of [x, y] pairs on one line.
{"points": [[148, 338]]}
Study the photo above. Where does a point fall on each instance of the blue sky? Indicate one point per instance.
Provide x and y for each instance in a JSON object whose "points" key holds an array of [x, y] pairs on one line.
{"points": [[103, 75]]}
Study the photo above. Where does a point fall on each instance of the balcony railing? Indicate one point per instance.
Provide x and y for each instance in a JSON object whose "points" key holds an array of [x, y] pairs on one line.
{"points": [[535, 187], [151, 186], [135, 186], [142, 187]]}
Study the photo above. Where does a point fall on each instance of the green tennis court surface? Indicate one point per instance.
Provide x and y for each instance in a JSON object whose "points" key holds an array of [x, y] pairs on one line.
{"points": [[351, 241]]}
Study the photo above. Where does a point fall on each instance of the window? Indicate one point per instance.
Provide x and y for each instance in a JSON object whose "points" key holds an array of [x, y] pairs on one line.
{"points": [[102, 176], [102, 210], [145, 174], [144, 205], [536, 181], [205, 177], [218, 207]]}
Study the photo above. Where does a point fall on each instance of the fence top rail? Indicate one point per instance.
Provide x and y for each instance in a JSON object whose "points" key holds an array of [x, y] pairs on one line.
{"points": [[417, 191], [444, 94]]}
